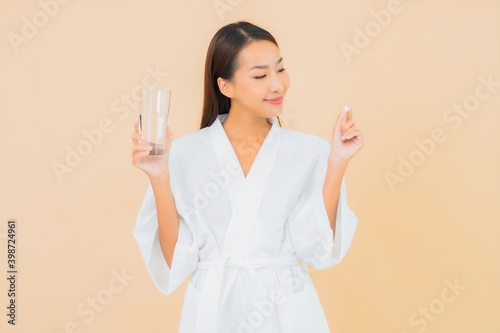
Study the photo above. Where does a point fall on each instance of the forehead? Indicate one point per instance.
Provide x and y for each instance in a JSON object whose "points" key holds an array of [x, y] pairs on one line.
{"points": [[261, 52]]}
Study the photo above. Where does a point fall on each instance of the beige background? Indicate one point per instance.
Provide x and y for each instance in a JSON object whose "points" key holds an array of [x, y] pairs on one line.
{"points": [[438, 226]]}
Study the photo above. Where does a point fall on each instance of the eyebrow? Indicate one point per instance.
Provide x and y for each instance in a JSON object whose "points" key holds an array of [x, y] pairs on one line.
{"points": [[265, 66]]}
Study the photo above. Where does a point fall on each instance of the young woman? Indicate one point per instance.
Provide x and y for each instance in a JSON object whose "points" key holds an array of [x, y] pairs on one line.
{"points": [[239, 201]]}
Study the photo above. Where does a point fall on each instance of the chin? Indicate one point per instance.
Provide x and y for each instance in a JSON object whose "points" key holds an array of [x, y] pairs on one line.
{"points": [[273, 110]]}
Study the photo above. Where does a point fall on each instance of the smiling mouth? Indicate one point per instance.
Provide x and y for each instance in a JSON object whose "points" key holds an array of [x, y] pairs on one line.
{"points": [[276, 100]]}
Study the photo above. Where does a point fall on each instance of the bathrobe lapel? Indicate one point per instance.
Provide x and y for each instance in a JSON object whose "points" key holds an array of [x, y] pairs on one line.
{"points": [[246, 196]]}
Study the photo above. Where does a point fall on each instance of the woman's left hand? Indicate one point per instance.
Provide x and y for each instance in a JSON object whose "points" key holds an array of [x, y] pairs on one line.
{"points": [[347, 139]]}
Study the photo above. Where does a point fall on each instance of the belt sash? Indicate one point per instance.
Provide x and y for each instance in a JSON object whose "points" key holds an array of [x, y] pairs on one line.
{"points": [[215, 291]]}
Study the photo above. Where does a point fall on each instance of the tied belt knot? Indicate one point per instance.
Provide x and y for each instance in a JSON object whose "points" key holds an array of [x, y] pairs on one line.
{"points": [[214, 293]]}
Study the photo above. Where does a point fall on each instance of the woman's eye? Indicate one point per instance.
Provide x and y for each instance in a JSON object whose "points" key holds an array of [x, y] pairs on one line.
{"points": [[263, 76]]}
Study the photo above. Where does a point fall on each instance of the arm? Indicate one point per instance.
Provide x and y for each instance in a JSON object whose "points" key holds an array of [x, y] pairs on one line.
{"points": [[322, 225], [156, 167], [165, 239], [331, 189], [346, 141], [168, 219]]}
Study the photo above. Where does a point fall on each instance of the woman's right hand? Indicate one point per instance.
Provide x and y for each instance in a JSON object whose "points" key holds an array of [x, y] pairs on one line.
{"points": [[155, 166]]}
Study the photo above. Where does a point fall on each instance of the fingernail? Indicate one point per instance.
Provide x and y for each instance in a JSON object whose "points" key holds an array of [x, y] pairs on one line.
{"points": [[346, 108]]}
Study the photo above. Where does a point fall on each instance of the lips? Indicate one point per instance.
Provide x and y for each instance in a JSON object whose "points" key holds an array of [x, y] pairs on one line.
{"points": [[276, 100]]}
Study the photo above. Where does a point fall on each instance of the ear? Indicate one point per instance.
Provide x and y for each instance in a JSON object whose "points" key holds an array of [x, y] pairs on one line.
{"points": [[225, 87]]}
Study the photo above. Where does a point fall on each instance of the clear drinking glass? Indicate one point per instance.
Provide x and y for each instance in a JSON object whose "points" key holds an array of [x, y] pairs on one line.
{"points": [[153, 119]]}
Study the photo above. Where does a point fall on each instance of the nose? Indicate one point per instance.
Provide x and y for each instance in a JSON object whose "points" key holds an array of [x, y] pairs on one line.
{"points": [[276, 84]]}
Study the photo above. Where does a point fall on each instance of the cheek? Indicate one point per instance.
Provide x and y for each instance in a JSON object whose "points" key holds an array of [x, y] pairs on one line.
{"points": [[255, 89], [285, 81]]}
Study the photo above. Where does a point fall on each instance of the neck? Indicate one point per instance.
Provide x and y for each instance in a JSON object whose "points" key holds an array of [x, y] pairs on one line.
{"points": [[241, 124]]}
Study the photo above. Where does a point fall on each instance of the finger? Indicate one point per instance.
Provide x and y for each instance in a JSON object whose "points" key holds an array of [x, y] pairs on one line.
{"points": [[337, 128], [138, 157], [339, 122], [136, 126], [136, 137], [348, 111], [170, 134], [357, 139], [350, 135], [348, 124], [141, 148], [349, 130]]}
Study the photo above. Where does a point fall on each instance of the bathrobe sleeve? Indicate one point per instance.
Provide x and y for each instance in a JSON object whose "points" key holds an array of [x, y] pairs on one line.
{"points": [[145, 233], [313, 239]]}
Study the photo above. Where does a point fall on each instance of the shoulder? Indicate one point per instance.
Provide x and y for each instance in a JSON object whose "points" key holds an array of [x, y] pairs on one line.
{"points": [[306, 143], [189, 147]]}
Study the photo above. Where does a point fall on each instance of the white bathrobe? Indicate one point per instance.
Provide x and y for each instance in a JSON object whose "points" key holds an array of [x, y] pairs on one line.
{"points": [[242, 236]]}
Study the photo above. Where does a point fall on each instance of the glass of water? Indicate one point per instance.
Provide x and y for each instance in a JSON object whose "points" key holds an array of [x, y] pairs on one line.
{"points": [[153, 119]]}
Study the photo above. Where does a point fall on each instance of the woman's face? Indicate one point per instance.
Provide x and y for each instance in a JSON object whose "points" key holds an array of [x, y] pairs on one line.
{"points": [[260, 81]]}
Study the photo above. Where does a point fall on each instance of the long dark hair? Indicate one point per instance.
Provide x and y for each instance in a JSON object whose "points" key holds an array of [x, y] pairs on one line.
{"points": [[222, 57]]}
